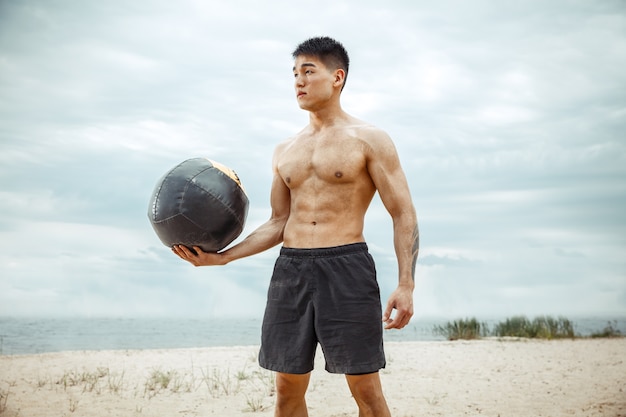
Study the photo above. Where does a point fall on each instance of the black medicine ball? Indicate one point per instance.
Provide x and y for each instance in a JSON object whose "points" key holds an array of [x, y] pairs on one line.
{"points": [[199, 202]]}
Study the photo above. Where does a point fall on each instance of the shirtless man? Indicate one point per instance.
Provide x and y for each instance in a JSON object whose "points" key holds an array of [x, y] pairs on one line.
{"points": [[323, 289]]}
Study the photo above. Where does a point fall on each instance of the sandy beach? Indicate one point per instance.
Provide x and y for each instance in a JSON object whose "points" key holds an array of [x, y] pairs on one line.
{"points": [[525, 378]]}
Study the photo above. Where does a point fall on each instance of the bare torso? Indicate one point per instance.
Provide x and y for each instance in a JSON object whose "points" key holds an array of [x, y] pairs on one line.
{"points": [[329, 184]]}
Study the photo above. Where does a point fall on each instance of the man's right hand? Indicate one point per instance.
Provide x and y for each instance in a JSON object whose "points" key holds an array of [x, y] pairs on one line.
{"points": [[200, 257]]}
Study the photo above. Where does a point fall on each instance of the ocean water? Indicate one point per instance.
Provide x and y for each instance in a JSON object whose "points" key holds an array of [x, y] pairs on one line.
{"points": [[40, 335]]}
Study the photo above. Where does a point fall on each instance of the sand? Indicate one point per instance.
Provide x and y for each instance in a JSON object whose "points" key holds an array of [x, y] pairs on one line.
{"points": [[525, 378]]}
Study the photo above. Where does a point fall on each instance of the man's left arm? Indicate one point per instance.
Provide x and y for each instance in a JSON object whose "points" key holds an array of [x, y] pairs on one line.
{"points": [[391, 183]]}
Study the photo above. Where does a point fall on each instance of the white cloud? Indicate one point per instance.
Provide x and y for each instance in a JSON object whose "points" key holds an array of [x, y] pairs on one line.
{"points": [[508, 121]]}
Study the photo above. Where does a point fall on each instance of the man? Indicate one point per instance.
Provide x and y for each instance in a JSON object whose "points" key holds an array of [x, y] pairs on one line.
{"points": [[324, 289]]}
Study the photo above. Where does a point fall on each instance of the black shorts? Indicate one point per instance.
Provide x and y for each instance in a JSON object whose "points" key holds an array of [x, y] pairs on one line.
{"points": [[328, 296]]}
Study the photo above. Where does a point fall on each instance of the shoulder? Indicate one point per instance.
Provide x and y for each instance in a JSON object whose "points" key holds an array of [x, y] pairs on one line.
{"points": [[366, 131], [376, 139], [282, 147], [286, 143], [372, 133]]}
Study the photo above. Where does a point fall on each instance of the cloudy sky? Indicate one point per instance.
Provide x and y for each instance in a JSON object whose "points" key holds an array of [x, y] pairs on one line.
{"points": [[509, 117]]}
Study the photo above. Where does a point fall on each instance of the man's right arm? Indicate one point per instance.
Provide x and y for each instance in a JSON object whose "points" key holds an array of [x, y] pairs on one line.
{"points": [[268, 235]]}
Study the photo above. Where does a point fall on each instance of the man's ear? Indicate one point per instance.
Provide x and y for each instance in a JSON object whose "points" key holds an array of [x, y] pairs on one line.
{"points": [[340, 77]]}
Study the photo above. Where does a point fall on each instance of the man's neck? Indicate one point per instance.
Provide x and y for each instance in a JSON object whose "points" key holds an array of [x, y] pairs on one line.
{"points": [[326, 117]]}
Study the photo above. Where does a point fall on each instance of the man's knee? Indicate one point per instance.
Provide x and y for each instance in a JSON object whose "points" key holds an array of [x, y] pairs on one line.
{"points": [[291, 386], [367, 391]]}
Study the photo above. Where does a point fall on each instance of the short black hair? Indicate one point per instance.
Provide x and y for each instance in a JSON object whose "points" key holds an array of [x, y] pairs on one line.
{"points": [[327, 50]]}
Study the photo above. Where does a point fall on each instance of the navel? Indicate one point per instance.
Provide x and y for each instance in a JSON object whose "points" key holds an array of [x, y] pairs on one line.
{"points": [[314, 223]]}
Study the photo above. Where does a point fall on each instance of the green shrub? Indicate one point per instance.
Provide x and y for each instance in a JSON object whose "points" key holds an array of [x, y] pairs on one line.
{"points": [[608, 331], [517, 326], [542, 327], [550, 328], [465, 329]]}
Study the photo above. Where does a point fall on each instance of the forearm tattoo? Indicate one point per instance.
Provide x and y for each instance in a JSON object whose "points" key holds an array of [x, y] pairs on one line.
{"points": [[416, 248]]}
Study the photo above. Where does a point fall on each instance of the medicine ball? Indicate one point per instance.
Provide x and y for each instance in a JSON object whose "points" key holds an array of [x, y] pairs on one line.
{"points": [[199, 202]]}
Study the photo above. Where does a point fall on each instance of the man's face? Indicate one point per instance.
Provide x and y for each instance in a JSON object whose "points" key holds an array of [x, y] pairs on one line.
{"points": [[314, 83]]}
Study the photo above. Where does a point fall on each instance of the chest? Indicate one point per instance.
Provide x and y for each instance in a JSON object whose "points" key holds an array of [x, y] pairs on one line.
{"points": [[331, 160]]}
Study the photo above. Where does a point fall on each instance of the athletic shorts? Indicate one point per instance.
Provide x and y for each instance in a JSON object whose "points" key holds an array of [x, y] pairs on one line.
{"points": [[328, 296]]}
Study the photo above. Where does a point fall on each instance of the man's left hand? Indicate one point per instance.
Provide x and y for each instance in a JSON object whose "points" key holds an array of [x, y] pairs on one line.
{"points": [[401, 300]]}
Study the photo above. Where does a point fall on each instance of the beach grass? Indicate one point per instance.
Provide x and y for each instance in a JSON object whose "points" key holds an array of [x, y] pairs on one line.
{"points": [[609, 331], [541, 327], [4, 397], [466, 329], [257, 387]]}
